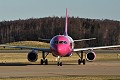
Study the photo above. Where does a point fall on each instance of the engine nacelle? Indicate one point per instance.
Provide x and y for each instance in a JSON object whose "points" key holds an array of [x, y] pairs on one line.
{"points": [[90, 56], [32, 56]]}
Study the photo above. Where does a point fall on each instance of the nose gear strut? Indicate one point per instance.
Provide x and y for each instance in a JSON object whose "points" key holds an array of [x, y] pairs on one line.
{"points": [[59, 61]]}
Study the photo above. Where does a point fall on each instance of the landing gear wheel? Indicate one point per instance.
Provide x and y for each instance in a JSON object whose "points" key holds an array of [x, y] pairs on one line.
{"points": [[59, 63], [46, 62], [83, 61], [79, 61], [42, 61]]}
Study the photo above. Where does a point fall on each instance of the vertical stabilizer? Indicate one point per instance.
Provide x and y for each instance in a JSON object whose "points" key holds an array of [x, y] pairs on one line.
{"points": [[66, 23]]}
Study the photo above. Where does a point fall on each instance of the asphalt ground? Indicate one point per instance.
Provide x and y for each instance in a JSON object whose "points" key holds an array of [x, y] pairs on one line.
{"points": [[36, 70]]}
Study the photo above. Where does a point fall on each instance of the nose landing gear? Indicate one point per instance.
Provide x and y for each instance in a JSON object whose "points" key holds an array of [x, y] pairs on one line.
{"points": [[59, 62]]}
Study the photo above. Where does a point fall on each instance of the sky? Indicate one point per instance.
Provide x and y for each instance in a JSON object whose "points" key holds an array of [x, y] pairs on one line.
{"points": [[93, 9]]}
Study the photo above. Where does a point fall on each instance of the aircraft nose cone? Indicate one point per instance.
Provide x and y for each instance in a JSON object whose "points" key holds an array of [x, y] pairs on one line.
{"points": [[61, 50]]}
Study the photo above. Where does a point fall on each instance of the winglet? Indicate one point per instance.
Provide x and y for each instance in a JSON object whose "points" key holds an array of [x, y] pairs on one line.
{"points": [[66, 23]]}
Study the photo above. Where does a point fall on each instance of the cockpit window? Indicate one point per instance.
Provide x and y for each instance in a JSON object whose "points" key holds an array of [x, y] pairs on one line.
{"points": [[60, 42], [56, 42], [65, 42]]}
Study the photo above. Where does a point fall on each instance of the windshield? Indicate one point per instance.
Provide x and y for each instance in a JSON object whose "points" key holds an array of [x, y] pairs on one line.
{"points": [[60, 42]]}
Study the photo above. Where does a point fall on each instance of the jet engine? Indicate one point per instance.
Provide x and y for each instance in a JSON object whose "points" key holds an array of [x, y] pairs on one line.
{"points": [[32, 56], [90, 56]]}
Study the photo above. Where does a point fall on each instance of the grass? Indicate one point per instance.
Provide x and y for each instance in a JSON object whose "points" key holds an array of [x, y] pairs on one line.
{"points": [[30, 43], [26, 43]]}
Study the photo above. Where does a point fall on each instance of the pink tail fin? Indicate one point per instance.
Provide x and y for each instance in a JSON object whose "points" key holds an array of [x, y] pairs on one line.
{"points": [[66, 23]]}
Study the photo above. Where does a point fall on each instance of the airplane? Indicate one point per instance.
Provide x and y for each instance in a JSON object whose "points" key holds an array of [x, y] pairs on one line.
{"points": [[62, 46]]}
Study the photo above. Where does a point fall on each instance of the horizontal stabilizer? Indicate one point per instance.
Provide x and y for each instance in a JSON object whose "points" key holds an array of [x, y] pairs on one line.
{"points": [[47, 40]]}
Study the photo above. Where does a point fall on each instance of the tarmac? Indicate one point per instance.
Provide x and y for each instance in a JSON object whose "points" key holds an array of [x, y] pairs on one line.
{"points": [[14, 70]]}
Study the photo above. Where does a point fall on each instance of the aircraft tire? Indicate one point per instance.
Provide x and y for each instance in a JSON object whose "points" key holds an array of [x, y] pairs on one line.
{"points": [[42, 61], [46, 62], [60, 63], [83, 61], [79, 61]]}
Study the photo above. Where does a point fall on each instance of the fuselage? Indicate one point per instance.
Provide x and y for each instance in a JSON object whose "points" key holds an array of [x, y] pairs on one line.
{"points": [[62, 45]]}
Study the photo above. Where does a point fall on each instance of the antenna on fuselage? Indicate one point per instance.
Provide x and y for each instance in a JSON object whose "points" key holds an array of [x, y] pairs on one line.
{"points": [[66, 23]]}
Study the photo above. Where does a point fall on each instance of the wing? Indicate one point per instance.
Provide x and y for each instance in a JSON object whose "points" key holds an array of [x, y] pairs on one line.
{"points": [[26, 47], [85, 39], [92, 48]]}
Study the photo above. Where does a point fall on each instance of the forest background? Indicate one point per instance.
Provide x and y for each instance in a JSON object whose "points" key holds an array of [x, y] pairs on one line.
{"points": [[106, 32]]}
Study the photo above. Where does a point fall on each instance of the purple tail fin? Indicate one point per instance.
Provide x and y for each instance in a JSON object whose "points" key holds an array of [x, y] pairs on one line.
{"points": [[66, 23]]}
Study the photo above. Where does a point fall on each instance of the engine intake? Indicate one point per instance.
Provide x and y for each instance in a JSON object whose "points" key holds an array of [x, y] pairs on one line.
{"points": [[32, 56], [90, 56]]}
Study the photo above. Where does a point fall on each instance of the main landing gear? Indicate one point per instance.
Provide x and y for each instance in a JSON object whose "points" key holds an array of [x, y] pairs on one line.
{"points": [[44, 60], [81, 60]]}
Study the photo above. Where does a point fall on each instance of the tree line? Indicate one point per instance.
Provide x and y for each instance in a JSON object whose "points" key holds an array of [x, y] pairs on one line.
{"points": [[106, 32]]}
